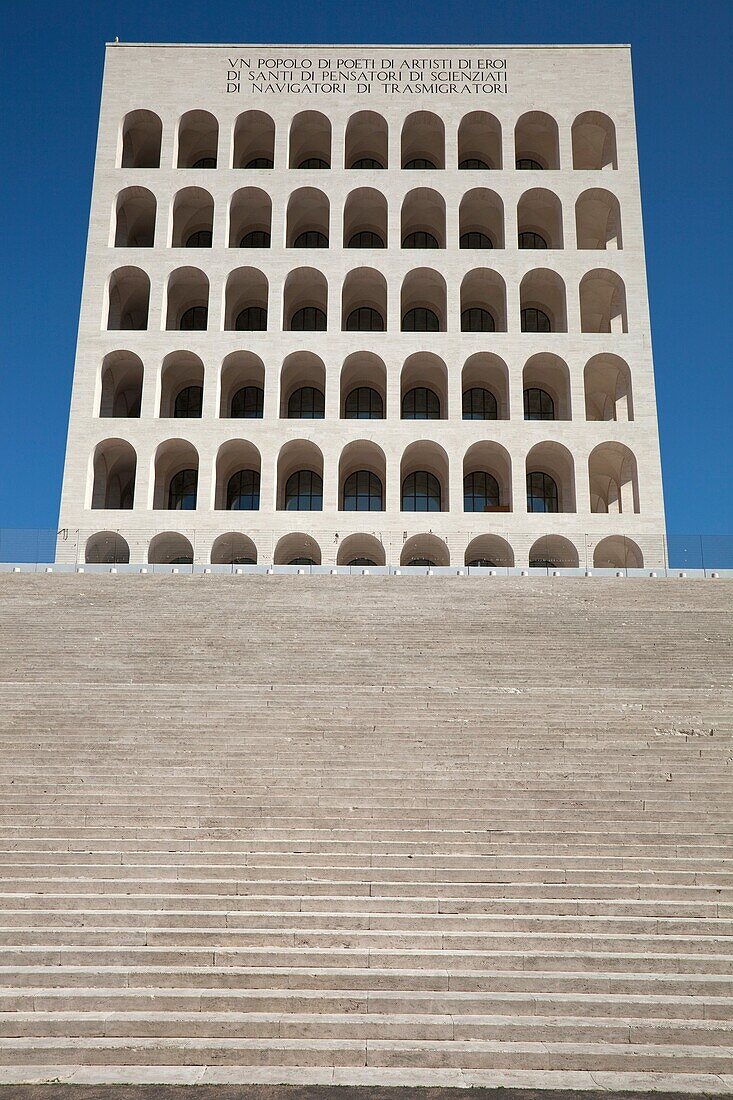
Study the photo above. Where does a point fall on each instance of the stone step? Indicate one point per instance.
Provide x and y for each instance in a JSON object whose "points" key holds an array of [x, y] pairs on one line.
{"points": [[33, 999]]}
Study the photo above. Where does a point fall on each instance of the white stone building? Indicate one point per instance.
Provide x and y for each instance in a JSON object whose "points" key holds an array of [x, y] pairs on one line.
{"points": [[365, 304]]}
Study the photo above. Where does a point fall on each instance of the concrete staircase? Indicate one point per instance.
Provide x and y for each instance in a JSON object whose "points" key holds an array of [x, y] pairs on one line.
{"points": [[366, 830]]}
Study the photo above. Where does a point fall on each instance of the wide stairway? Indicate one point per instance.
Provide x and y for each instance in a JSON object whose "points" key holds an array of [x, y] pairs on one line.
{"points": [[366, 831]]}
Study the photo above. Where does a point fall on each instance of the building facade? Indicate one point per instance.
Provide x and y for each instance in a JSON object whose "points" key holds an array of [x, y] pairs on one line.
{"points": [[365, 305]]}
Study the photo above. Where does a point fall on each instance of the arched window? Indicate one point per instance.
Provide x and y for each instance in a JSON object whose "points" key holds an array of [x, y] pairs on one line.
{"points": [[308, 319], [473, 163], [301, 561], [363, 492], [531, 240], [420, 319], [202, 238], [542, 495], [535, 320], [481, 563], [248, 403], [365, 238], [360, 561], [526, 163], [195, 319], [420, 239], [538, 405], [364, 403], [304, 492], [251, 319], [260, 162], [479, 404], [314, 162], [188, 402], [205, 162], [367, 162], [311, 238], [421, 403], [182, 491], [475, 239], [477, 320], [365, 319], [243, 491], [256, 238], [420, 162], [480, 492], [421, 493], [307, 403]]}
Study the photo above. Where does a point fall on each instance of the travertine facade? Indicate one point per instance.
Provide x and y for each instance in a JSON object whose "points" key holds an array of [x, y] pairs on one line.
{"points": [[447, 278]]}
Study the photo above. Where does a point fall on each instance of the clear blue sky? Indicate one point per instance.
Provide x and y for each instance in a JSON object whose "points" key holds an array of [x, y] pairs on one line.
{"points": [[683, 67]]}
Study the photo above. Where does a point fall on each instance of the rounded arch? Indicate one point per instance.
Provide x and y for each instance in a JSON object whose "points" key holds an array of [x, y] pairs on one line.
{"points": [[548, 374], [114, 468], [539, 219], [361, 550], [175, 485], [366, 143], [246, 300], [362, 477], [423, 301], [300, 477], [424, 477], [254, 140], [594, 141], [613, 479], [607, 381], [108, 548], [602, 302], [481, 219], [197, 140], [232, 491], [423, 371], [617, 552], [542, 301], [551, 460], [483, 301], [242, 386], [423, 141], [181, 385], [479, 141], [485, 373], [598, 220], [489, 550], [553, 552], [305, 301], [134, 218], [187, 295], [423, 219], [122, 384], [170, 548], [487, 457], [250, 218], [363, 387], [233, 548], [141, 133], [536, 141], [308, 219], [128, 299], [192, 218], [365, 219], [297, 548], [302, 371], [364, 301], [425, 550], [310, 140]]}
